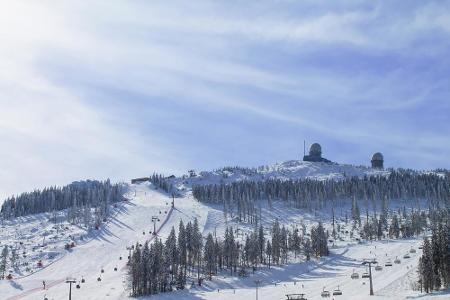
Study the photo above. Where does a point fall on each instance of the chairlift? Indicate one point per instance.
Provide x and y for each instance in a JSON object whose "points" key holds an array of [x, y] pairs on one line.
{"points": [[115, 269], [378, 268], [412, 250], [103, 271], [99, 279], [78, 286], [388, 263], [325, 294], [365, 275], [406, 256], [355, 275], [397, 260], [337, 292], [296, 297], [82, 280]]}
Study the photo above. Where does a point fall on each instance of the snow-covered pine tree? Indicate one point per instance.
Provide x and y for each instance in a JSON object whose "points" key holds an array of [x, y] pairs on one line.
{"points": [[4, 261], [209, 255]]}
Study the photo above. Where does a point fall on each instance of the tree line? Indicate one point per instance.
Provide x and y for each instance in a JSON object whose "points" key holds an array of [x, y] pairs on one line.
{"points": [[161, 267], [78, 198], [239, 198], [161, 182]]}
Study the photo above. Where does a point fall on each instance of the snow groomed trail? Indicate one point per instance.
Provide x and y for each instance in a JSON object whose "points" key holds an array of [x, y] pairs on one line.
{"points": [[132, 224]]}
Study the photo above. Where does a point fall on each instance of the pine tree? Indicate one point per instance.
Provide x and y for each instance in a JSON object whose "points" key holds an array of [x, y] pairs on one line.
{"points": [[269, 252], [261, 243], [356, 216], [276, 239], [307, 249], [182, 250], [209, 255], [319, 240], [394, 229], [427, 267], [172, 255], [4, 261]]}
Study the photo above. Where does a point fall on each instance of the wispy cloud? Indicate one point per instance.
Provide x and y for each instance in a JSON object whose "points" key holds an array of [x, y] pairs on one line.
{"points": [[117, 89]]}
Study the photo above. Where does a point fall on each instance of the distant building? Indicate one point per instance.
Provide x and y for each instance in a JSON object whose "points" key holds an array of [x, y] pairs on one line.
{"points": [[315, 154], [139, 180], [377, 161]]}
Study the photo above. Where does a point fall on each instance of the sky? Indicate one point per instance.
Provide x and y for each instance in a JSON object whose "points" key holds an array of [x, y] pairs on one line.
{"points": [[122, 89]]}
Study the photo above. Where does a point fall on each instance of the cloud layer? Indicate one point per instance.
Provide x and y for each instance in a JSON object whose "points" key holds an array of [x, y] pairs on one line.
{"points": [[119, 89]]}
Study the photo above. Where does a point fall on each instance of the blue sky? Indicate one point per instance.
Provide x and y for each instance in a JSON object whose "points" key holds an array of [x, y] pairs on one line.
{"points": [[117, 89]]}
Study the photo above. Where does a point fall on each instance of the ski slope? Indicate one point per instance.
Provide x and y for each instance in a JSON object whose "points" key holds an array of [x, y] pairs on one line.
{"points": [[104, 251], [134, 218]]}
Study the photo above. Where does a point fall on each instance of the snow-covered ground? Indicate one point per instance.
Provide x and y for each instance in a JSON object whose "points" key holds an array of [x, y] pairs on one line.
{"points": [[292, 169], [132, 223]]}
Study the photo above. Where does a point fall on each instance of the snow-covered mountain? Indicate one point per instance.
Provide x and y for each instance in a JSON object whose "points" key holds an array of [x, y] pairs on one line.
{"points": [[100, 256]]}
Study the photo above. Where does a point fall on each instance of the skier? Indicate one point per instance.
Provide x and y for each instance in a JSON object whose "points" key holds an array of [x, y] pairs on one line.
{"points": [[43, 283]]}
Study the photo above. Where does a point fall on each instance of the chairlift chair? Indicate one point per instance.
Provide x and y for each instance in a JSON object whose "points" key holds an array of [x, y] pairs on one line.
{"points": [[337, 292], [397, 260], [83, 280], [365, 275], [388, 263], [378, 268], [325, 294], [296, 297], [412, 250], [99, 279], [355, 275], [406, 256]]}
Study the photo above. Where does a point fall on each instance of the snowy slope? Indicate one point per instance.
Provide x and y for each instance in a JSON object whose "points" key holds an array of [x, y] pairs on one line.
{"points": [[104, 251], [293, 169], [132, 224]]}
